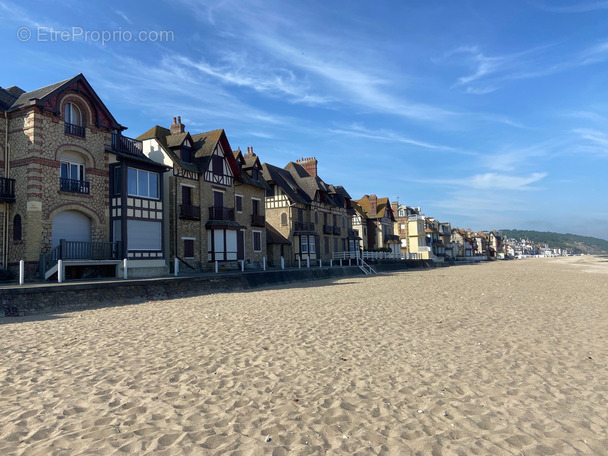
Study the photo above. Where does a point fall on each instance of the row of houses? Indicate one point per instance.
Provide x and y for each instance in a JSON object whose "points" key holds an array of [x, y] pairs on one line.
{"points": [[75, 188]]}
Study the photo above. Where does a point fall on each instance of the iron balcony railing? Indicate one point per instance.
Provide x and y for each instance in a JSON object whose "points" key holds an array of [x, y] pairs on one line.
{"points": [[7, 189], [221, 213], [74, 186], [187, 211], [304, 226], [327, 229], [353, 234], [76, 130], [126, 145], [337, 230], [258, 220], [391, 237]]}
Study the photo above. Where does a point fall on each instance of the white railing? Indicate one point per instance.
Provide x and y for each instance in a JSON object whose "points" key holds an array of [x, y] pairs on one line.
{"points": [[413, 218], [366, 255]]}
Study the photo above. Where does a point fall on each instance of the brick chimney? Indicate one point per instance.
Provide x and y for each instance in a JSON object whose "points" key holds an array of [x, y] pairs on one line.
{"points": [[249, 153], [309, 164], [395, 208], [373, 205], [177, 126]]}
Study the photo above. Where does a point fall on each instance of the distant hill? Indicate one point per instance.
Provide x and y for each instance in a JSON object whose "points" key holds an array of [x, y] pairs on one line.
{"points": [[580, 244]]}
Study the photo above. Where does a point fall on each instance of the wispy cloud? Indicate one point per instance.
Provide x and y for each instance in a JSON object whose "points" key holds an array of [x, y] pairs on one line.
{"points": [[124, 16], [489, 73], [595, 142], [358, 131], [490, 181]]}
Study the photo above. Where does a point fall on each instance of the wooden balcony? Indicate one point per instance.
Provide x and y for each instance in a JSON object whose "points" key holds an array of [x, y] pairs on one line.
{"points": [[77, 252], [7, 190], [221, 213], [258, 220], [126, 145], [74, 186], [75, 130], [188, 211]]}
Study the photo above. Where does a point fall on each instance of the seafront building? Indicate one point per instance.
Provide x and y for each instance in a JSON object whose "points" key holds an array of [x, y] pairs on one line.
{"points": [[308, 220], [215, 198], [375, 219], [74, 188]]}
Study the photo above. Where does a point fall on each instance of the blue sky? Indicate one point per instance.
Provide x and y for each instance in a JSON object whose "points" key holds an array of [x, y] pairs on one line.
{"points": [[485, 114]]}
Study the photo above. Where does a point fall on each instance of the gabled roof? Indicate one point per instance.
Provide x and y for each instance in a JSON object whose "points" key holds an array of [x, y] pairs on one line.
{"points": [[286, 183], [246, 173], [47, 98], [383, 207], [203, 145], [312, 185]]}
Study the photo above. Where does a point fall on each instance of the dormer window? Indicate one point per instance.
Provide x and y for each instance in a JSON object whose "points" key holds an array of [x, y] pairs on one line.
{"points": [[186, 154], [74, 124], [255, 174]]}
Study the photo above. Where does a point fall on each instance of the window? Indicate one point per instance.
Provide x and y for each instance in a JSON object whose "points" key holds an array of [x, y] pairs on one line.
{"points": [[343, 222], [218, 165], [401, 213], [238, 202], [189, 248], [283, 219], [117, 184], [142, 183], [73, 115], [144, 235], [255, 174], [73, 171], [303, 244], [186, 154], [17, 228], [311, 244], [326, 240], [186, 195], [316, 216], [257, 241], [335, 244], [255, 206]]}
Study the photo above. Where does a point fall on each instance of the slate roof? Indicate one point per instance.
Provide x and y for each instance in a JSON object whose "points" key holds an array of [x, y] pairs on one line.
{"points": [[286, 182], [203, 145], [246, 176]]}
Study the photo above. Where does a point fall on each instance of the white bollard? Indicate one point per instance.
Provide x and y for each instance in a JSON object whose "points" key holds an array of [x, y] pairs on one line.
{"points": [[331, 263], [125, 273], [176, 267], [60, 271], [282, 263], [307, 262], [264, 262], [216, 267], [320, 263], [242, 265], [21, 272], [299, 262], [340, 262]]}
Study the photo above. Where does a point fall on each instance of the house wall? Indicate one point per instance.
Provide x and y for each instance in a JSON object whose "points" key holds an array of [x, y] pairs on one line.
{"points": [[37, 141]]}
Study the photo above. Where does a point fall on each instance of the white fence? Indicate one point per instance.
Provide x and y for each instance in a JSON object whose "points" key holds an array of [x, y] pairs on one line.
{"points": [[375, 256]]}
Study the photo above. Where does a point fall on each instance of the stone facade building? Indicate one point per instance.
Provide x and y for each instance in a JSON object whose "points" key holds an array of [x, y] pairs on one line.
{"points": [[59, 144], [213, 194], [310, 219]]}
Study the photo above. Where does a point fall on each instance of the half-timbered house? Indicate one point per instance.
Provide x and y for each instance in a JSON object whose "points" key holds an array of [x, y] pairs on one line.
{"points": [[205, 190]]}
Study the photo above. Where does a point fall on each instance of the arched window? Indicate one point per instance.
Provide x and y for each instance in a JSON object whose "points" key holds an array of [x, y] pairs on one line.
{"points": [[73, 115], [283, 219], [74, 124], [17, 228]]}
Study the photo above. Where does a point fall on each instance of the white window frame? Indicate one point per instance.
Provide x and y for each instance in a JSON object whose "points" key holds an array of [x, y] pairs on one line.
{"points": [[148, 173]]}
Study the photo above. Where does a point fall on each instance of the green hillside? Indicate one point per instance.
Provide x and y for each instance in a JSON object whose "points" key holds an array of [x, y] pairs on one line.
{"points": [[580, 244]]}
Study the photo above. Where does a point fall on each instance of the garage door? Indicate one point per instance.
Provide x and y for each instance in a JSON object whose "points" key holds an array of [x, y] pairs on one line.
{"points": [[71, 226]]}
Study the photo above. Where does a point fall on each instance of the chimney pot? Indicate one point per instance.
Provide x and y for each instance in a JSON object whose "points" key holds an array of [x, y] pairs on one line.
{"points": [[178, 126]]}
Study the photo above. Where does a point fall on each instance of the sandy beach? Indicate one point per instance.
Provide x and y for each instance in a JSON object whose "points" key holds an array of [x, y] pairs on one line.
{"points": [[501, 358]]}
